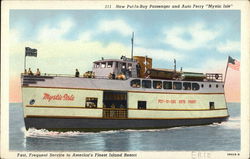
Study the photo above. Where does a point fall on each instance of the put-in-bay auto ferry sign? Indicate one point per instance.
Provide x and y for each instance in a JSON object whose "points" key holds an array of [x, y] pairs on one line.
{"points": [[125, 93]]}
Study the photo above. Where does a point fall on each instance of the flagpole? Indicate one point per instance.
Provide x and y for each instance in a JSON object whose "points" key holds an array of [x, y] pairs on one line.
{"points": [[226, 71], [132, 42], [24, 62]]}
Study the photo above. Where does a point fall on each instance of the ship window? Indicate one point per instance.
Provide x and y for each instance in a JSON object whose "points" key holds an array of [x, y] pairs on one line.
{"points": [[136, 83], [97, 65], [91, 102], [129, 65], [177, 86], [202, 85], [123, 65], [157, 84], [187, 86], [223, 85], [109, 64], [32, 101], [146, 84], [211, 105], [195, 86], [103, 65], [142, 104], [217, 85], [167, 85], [210, 86]]}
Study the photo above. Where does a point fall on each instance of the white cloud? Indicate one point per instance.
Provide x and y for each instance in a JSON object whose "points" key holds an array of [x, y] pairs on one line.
{"points": [[229, 46], [48, 33], [63, 56], [115, 25], [210, 66], [198, 36], [85, 36], [14, 35], [158, 54]]}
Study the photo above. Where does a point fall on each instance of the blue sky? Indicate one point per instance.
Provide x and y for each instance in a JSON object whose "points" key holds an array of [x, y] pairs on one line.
{"points": [[200, 40]]}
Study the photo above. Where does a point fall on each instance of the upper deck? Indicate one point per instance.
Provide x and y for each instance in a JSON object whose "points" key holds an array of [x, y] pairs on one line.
{"points": [[131, 74], [130, 84]]}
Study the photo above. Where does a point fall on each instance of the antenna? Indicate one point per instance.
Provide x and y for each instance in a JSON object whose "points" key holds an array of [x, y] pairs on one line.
{"points": [[132, 42]]}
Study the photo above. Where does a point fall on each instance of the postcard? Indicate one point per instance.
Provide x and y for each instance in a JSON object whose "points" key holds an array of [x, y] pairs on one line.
{"points": [[125, 79]]}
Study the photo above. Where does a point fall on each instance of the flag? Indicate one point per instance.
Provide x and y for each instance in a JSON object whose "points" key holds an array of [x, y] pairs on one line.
{"points": [[30, 52], [234, 64]]}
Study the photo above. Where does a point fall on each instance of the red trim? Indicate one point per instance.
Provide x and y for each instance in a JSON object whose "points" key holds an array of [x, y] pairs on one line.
{"points": [[78, 107]]}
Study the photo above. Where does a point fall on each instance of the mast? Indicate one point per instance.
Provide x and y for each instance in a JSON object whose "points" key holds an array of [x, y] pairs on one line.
{"points": [[132, 42], [174, 65]]}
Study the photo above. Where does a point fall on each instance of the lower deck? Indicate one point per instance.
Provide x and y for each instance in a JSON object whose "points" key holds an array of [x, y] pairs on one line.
{"points": [[80, 108]]}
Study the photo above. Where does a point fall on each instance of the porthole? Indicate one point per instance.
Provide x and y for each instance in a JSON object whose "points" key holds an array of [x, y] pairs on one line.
{"points": [[223, 85], [32, 101], [202, 85], [217, 86], [210, 86]]}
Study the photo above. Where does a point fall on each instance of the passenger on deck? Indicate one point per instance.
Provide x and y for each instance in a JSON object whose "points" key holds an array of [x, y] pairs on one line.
{"points": [[158, 86], [38, 73], [138, 69], [113, 75], [30, 72], [110, 75], [77, 73], [25, 72], [174, 86], [93, 75]]}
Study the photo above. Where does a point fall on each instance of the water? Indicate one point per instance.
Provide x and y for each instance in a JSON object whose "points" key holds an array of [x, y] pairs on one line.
{"points": [[215, 137]]}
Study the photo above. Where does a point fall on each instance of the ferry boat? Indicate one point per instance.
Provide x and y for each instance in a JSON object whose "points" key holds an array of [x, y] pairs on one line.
{"points": [[125, 93]]}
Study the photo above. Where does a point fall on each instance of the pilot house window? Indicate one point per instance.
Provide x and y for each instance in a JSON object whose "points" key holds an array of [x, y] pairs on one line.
{"points": [[97, 65], [109, 64], [103, 65], [91, 102]]}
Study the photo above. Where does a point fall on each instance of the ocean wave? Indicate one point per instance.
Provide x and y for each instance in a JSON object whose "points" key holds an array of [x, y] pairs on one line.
{"points": [[43, 133], [232, 123], [234, 118]]}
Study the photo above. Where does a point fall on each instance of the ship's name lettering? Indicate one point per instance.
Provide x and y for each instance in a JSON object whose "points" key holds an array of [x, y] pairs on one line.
{"points": [[66, 96], [173, 101]]}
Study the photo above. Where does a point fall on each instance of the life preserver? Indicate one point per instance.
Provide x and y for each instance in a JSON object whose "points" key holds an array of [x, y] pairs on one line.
{"points": [[148, 72]]}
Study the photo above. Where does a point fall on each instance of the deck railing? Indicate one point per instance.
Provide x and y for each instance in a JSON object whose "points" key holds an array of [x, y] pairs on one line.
{"points": [[214, 76], [115, 113]]}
